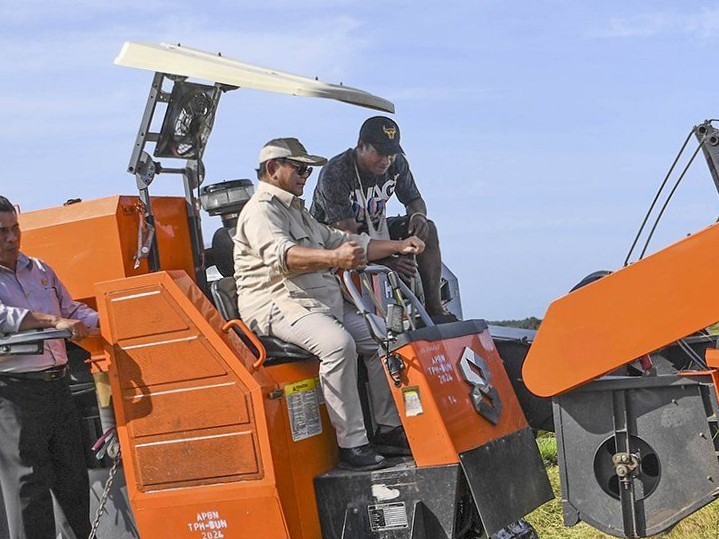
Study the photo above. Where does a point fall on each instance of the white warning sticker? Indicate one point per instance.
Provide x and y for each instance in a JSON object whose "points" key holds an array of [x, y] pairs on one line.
{"points": [[412, 402], [303, 408], [388, 516]]}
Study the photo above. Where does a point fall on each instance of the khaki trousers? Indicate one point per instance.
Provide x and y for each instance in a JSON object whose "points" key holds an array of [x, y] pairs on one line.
{"points": [[337, 345]]}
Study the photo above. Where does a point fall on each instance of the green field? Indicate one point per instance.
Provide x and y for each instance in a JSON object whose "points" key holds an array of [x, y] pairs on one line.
{"points": [[547, 519]]}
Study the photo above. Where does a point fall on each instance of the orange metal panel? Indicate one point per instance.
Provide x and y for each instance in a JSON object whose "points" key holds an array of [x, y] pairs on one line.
{"points": [[449, 424], [96, 240], [209, 408], [218, 455], [252, 517], [182, 460], [298, 463], [625, 315], [160, 365], [712, 357]]}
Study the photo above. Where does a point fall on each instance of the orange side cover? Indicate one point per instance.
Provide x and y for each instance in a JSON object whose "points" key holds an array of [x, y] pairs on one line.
{"points": [[625, 315]]}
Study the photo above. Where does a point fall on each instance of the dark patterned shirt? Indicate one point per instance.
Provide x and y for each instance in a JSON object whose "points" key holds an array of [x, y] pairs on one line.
{"points": [[337, 195]]}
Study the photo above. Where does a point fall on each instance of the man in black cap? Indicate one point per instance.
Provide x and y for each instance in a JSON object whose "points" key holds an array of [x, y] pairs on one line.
{"points": [[352, 193]]}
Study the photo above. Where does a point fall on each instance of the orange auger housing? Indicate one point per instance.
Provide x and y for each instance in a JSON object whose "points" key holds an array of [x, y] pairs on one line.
{"points": [[625, 315]]}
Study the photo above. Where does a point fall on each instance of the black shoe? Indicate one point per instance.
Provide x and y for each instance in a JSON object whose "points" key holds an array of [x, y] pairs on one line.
{"points": [[361, 458], [392, 443]]}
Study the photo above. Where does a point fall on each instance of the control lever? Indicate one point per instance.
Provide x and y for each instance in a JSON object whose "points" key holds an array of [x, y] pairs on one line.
{"points": [[145, 236], [394, 319]]}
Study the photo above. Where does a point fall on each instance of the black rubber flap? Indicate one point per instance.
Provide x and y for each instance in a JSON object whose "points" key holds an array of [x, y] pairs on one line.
{"points": [[401, 502], [507, 479]]}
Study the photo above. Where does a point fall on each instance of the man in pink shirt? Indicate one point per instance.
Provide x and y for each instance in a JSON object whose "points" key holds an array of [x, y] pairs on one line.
{"points": [[40, 441]]}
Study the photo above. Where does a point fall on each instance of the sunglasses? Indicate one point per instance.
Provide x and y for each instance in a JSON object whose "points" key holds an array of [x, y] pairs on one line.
{"points": [[303, 171]]}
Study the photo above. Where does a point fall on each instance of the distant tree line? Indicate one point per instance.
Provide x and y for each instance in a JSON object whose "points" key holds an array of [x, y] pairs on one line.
{"points": [[527, 323]]}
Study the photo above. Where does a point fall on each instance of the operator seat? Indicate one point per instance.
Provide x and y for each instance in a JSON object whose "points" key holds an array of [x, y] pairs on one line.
{"points": [[224, 294]]}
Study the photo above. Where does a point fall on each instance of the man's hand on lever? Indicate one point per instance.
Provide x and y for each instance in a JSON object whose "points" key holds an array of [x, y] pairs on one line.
{"points": [[411, 246], [37, 320], [350, 255], [78, 330]]}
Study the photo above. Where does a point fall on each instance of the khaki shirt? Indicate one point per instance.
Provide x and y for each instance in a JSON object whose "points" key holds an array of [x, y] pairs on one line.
{"points": [[270, 224]]}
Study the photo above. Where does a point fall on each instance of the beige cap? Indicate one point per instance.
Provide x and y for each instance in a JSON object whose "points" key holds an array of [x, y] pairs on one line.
{"points": [[290, 149]]}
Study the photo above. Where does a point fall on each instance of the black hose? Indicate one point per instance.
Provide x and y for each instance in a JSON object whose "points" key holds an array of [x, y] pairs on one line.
{"points": [[656, 197]]}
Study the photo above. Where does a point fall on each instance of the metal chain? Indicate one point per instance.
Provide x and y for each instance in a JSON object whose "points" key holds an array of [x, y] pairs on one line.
{"points": [[103, 498]]}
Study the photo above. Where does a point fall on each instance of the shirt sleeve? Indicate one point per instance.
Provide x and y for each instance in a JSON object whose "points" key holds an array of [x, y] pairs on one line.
{"points": [[332, 195], [406, 188], [267, 234], [11, 318], [333, 238], [73, 309]]}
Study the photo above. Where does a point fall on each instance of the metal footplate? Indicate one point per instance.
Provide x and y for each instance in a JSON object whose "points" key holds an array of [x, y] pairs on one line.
{"points": [[636, 454]]}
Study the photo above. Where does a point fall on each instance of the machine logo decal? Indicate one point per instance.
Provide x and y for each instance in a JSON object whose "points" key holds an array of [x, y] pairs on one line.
{"points": [[484, 396]]}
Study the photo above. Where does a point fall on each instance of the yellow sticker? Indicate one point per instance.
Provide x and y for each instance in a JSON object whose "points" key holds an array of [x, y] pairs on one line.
{"points": [[303, 408], [300, 387]]}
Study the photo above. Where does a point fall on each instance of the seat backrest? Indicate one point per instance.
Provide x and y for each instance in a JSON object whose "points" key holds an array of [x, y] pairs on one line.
{"points": [[224, 294]]}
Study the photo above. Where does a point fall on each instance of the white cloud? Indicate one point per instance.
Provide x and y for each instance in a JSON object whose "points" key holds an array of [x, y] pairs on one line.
{"points": [[703, 24]]}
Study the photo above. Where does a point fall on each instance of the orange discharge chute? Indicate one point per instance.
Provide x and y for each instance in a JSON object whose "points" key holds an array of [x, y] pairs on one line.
{"points": [[626, 314]]}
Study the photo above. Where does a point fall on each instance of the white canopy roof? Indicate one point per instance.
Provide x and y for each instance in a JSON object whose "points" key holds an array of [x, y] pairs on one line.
{"points": [[184, 61]]}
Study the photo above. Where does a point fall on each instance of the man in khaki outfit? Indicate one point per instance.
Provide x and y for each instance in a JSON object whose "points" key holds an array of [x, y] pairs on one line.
{"points": [[283, 266]]}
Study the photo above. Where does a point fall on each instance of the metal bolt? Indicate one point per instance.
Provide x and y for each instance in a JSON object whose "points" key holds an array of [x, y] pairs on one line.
{"points": [[622, 471], [702, 435], [710, 478]]}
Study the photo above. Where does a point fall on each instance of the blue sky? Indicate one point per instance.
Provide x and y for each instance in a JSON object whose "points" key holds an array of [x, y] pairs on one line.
{"points": [[538, 131]]}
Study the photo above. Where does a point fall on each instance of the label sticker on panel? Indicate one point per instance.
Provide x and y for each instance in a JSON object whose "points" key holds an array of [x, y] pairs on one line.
{"points": [[388, 516], [303, 408], [412, 402]]}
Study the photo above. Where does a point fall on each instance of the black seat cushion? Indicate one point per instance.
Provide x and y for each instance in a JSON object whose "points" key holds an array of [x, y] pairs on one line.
{"points": [[224, 293]]}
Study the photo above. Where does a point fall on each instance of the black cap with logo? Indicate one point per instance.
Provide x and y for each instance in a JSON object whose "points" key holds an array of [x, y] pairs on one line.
{"points": [[382, 133]]}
